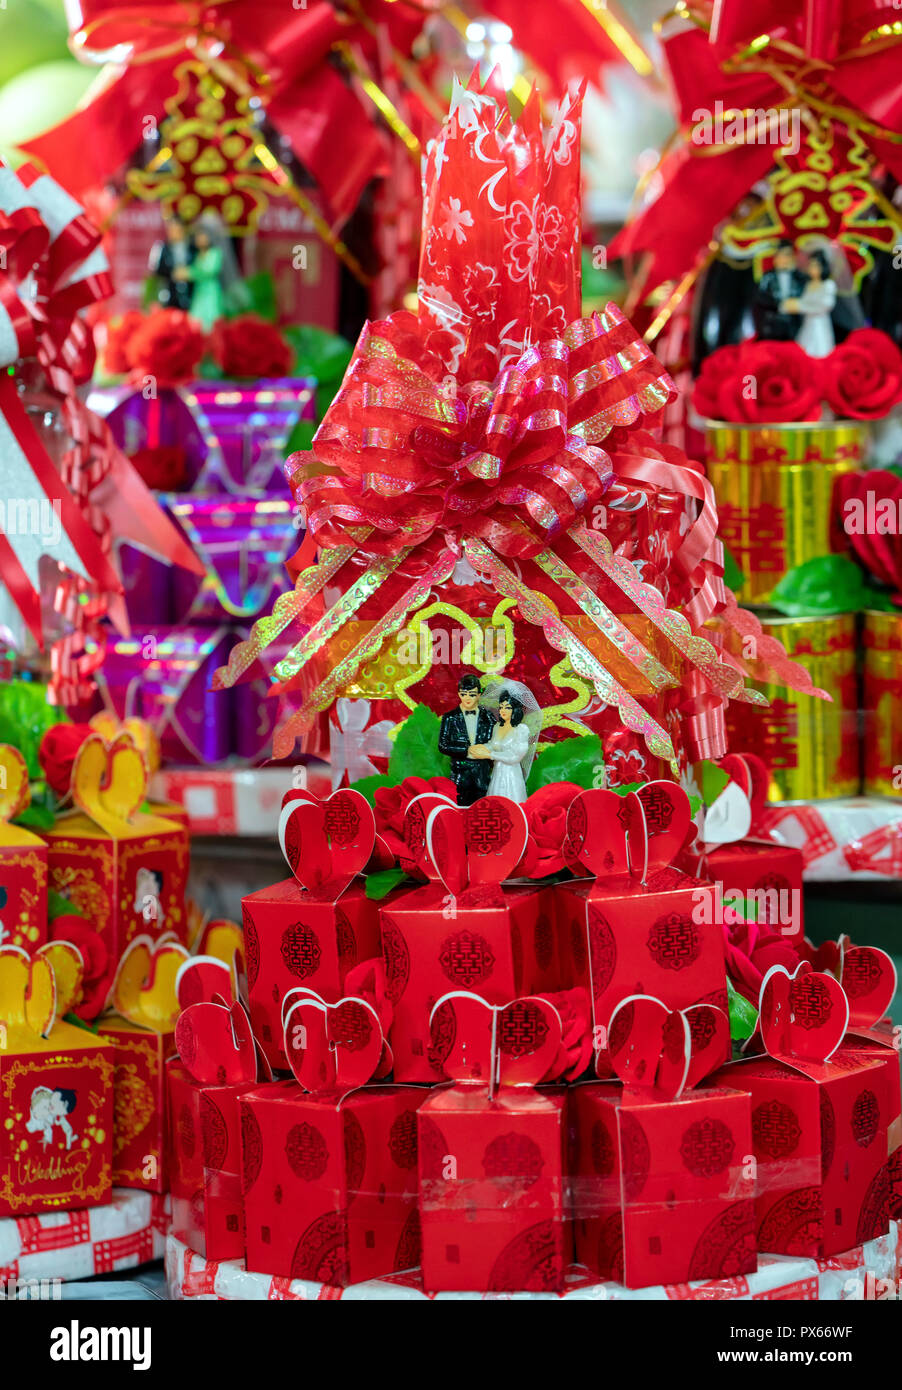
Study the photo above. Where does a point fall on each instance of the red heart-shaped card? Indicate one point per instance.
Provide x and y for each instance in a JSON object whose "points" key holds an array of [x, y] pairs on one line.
{"points": [[514, 1044], [475, 845], [869, 980], [334, 1047], [606, 833], [663, 1052], [668, 817], [803, 1016], [327, 843], [216, 1044]]}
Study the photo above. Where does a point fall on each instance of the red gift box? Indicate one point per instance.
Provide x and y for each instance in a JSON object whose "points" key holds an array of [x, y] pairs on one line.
{"points": [[329, 1165], [23, 861], [313, 929], [820, 1115], [462, 930], [492, 1190], [124, 870], [205, 1164], [330, 1186], [56, 1095], [139, 1103], [764, 874], [492, 1147], [662, 1178], [641, 926], [219, 1061]]}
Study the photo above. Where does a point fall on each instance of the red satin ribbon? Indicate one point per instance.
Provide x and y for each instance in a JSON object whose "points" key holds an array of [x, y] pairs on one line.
{"points": [[702, 187], [331, 132]]}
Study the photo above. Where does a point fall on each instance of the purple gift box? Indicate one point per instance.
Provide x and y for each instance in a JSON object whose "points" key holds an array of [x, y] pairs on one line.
{"points": [[163, 675], [243, 543], [233, 434]]}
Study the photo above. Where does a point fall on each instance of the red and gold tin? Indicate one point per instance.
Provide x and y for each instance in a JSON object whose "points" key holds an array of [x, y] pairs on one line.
{"points": [[882, 703], [811, 745], [774, 486]]}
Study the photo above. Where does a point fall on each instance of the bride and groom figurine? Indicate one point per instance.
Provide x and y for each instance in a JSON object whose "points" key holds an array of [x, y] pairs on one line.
{"points": [[490, 756], [800, 305]]}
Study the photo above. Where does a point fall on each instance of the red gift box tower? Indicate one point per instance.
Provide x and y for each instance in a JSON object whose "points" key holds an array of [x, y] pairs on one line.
{"points": [[310, 930], [463, 929], [820, 1116], [330, 1165], [662, 1175], [492, 1147], [640, 926]]}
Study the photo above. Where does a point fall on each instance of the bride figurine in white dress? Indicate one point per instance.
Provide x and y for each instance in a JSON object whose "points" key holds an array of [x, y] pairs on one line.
{"points": [[816, 305], [512, 746]]}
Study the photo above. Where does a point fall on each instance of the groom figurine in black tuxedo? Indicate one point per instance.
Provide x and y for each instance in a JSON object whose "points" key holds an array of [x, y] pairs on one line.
{"points": [[461, 727], [785, 282]]}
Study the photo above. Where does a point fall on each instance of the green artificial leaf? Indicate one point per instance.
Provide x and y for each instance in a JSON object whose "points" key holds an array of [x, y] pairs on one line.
{"points": [[320, 354], [82, 1023], [367, 786], [732, 574], [713, 780], [58, 906], [826, 584], [626, 787], [301, 437], [695, 805], [378, 885], [743, 1015], [25, 716], [261, 296], [38, 816], [415, 749], [576, 759]]}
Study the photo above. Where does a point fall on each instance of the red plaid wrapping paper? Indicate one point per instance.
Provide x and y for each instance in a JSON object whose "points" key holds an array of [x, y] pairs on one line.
{"points": [[76, 1244], [778, 1277]]}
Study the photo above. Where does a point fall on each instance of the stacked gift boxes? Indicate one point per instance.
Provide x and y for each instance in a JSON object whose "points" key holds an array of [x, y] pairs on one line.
{"points": [[487, 1079], [235, 512]]}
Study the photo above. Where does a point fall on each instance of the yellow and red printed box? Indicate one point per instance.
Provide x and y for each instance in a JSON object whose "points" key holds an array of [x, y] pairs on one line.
{"points": [[56, 1097]]}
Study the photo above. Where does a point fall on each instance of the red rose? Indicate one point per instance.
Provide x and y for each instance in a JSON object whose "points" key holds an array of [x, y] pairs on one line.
{"points": [[168, 345], [759, 383], [57, 751], [99, 969], [751, 948], [391, 805], [863, 376], [162, 467], [546, 814], [119, 334], [250, 347]]}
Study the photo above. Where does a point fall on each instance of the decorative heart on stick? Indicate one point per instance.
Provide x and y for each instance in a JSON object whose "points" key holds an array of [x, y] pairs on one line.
{"points": [[803, 1016], [334, 1047], [471, 846], [662, 1052], [216, 1044], [514, 1044], [327, 842]]}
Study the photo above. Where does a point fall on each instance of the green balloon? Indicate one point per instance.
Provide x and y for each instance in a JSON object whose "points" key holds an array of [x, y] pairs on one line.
{"points": [[40, 97], [31, 32]]}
